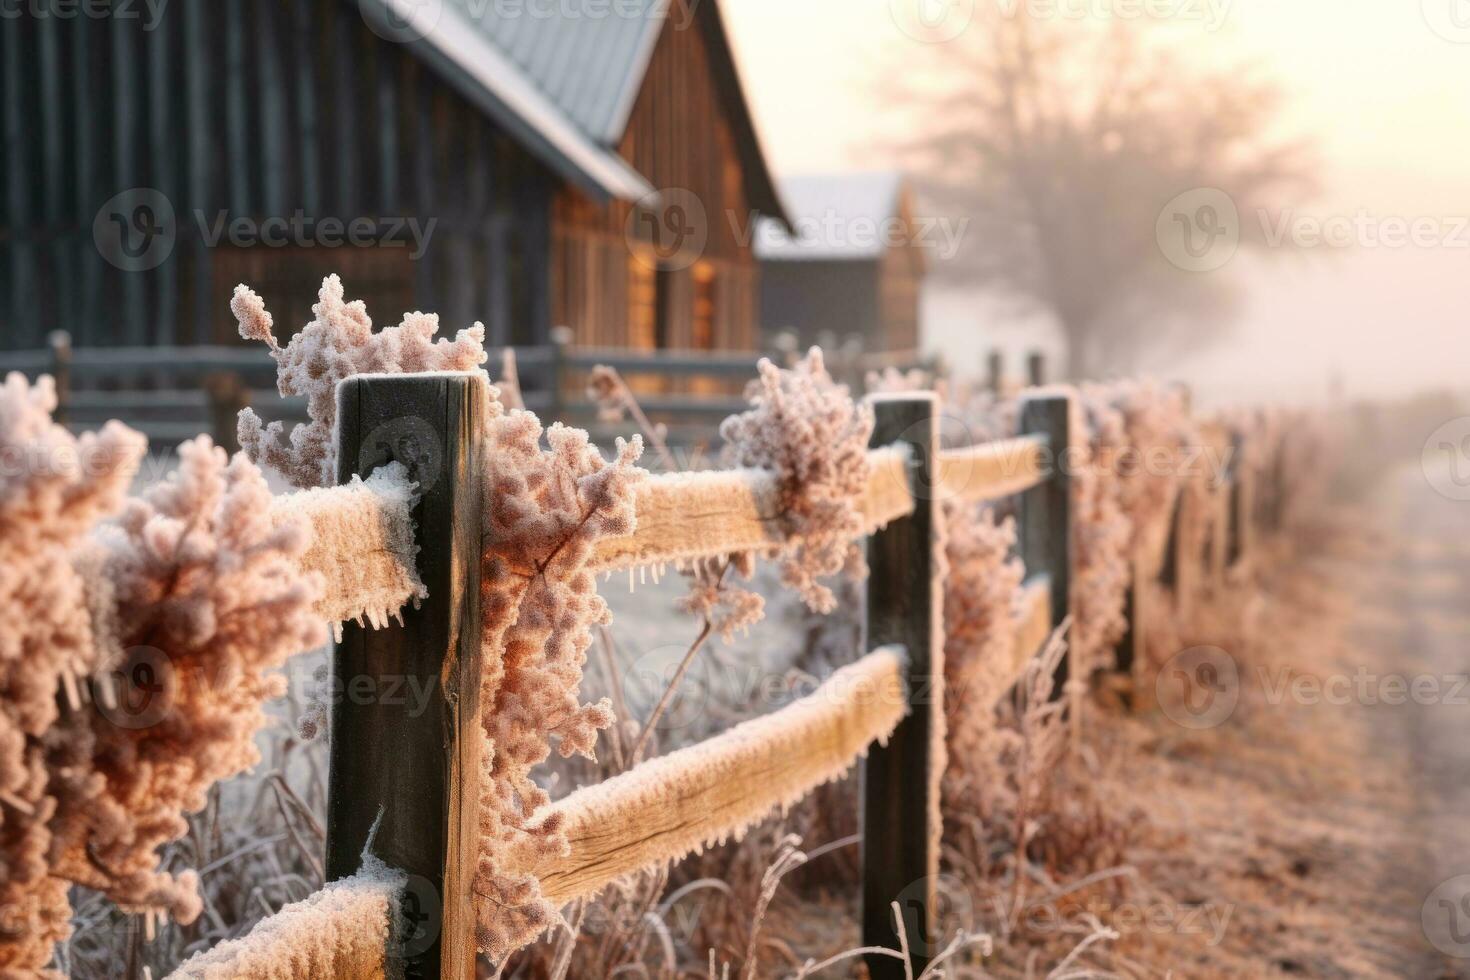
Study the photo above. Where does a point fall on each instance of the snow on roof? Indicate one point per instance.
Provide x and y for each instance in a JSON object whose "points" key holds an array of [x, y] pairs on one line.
{"points": [[835, 216]]}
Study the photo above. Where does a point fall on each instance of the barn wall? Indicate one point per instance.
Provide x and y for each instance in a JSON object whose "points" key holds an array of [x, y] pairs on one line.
{"points": [[816, 298], [252, 109], [679, 137]]}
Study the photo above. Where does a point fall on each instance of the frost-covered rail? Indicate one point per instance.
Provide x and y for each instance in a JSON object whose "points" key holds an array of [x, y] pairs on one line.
{"points": [[674, 805]]}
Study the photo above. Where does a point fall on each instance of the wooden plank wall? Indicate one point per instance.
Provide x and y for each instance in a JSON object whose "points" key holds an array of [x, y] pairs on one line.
{"points": [[678, 137], [258, 108]]}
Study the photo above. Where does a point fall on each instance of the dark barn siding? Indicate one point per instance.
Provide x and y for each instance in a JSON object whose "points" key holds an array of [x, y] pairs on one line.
{"points": [[258, 108], [816, 297]]}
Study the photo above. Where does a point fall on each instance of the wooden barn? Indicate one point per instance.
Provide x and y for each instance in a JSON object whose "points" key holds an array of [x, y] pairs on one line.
{"points": [[848, 266], [480, 160]]}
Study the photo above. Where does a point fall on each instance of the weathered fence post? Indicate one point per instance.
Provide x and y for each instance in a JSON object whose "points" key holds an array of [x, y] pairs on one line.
{"points": [[60, 343], [900, 781], [228, 396], [405, 736], [561, 339], [1036, 369], [1045, 515], [995, 371], [1238, 519]]}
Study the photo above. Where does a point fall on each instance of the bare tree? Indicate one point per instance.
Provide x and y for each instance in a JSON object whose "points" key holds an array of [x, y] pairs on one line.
{"points": [[1062, 143]]}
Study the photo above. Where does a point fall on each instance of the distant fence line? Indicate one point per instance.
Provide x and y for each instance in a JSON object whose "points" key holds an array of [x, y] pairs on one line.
{"points": [[171, 394]]}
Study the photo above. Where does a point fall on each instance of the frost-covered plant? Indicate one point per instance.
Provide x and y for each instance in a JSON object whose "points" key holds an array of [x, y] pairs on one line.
{"points": [[206, 595], [53, 487], [1102, 535], [806, 428], [980, 596], [545, 508], [338, 343]]}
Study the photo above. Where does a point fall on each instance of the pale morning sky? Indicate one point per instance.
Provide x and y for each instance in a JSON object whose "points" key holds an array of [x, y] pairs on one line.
{"points": [[1382, 85]]}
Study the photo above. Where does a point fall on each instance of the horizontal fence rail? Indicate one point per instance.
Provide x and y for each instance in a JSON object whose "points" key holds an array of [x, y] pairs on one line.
{"points": [[402, 789], [676, 804]]}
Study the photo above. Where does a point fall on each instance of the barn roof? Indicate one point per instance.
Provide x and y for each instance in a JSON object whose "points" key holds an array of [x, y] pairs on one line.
{"points": [[563, 78], [835, 217]]}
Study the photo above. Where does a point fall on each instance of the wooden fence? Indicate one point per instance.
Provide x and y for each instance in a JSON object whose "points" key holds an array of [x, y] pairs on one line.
{"points": [[403, 783], [171, 394]]}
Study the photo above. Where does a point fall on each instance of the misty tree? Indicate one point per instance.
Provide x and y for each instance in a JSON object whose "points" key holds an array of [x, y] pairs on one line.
{"points": [[1062, 143]]}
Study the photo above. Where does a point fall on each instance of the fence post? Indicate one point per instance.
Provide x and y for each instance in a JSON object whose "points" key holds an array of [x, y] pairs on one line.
{"points": [[60, 344], [1044, 517], [228, 396], [995, 371], [1036, 369], [405, 737], [900, 781], [561, 339]]}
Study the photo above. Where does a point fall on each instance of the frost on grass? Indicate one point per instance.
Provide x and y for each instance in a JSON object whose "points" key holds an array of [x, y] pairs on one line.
{"points": [[207, 599], [362, 543], [346, 930], [338, 343], [53, 487], [807, 430], [546, 506]]}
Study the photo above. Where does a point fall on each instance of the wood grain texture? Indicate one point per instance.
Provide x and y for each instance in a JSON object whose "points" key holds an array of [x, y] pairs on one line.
{"points": [[679, 803], [684, 516], [992, 470], [901, 824], [404, 770]]}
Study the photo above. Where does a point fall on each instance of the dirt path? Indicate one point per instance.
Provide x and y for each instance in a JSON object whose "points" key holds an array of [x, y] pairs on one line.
{"points": [[1323, 823]]}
